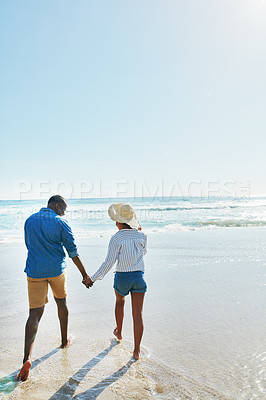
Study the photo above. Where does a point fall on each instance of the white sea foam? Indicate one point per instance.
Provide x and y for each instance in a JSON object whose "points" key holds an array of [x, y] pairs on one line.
{"points": [[89, 218], [11, 239], [168, 228]]}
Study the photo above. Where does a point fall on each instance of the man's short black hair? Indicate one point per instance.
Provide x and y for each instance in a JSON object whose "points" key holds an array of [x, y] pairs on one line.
{"points": [[56, 199]]}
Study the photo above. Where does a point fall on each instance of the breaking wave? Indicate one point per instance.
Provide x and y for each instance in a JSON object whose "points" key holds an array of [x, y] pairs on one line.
{"points": [[89, 218]]}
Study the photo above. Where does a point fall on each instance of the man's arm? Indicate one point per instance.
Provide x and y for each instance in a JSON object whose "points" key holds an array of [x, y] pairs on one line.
{"points": [[77, 261], [68, 239], [25, 235], [70, 245]]}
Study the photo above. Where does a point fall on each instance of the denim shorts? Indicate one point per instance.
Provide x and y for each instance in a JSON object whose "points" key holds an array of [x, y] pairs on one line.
{"points": [[125, 282]]}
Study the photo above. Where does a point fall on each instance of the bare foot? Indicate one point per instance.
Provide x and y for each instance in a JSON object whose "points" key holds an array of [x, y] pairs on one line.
{"points": [[136, 354], [64, 346], [24, 372], [117, 333]]}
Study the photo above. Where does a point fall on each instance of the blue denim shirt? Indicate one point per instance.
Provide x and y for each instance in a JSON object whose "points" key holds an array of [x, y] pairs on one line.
{"points": [[45, 235]]}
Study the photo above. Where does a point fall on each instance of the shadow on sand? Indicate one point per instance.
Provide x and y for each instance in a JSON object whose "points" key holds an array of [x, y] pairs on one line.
{"points": [[9, 383], [68, 389]]}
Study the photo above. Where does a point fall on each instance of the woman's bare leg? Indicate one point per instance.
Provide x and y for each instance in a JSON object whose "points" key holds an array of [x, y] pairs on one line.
{"points": [[119, 315], [137, 300]]}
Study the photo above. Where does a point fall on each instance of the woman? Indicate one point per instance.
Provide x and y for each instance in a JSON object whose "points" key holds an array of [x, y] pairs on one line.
{"points": [[127, 247]]}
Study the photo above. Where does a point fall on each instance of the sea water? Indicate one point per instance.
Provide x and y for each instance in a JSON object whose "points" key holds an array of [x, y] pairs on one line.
{"points": [[89, 217], [204, 310]]}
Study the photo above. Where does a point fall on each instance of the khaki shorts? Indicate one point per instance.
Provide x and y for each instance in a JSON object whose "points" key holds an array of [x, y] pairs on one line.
{"points": [[38, 289]]}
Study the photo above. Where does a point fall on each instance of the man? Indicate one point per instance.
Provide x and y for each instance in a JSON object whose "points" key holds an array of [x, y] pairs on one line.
{"points": [[46, 233]]}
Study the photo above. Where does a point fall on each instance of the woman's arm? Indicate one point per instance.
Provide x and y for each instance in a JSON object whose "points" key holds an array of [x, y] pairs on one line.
{"points": [[112, 256]]}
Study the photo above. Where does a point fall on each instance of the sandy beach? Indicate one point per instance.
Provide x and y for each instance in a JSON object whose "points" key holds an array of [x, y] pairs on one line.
{"points": [[204, 324]]}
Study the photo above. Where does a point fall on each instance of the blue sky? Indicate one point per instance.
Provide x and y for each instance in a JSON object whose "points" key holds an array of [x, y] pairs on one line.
{"points": [[127, 94]]}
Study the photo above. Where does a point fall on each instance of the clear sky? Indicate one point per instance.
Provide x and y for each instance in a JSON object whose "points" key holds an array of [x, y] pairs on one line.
{"points": [[99, 97]]}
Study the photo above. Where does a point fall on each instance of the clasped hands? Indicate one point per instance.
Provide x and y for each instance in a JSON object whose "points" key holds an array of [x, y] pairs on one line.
{"points": [[87, 282]]}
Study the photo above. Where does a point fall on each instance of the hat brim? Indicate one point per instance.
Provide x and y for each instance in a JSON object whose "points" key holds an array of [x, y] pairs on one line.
{"points": [[114, 215]]}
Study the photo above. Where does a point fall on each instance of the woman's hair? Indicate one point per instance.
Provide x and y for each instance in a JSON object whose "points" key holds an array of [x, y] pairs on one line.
{"points": [[125, 225]]}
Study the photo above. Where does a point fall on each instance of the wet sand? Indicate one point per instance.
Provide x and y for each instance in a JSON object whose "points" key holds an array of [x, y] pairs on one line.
{"points": [[204, 324]]}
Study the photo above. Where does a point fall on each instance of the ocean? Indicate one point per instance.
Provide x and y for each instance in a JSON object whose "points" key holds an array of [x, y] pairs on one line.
{"points": [[89, 218], [204, 311]]}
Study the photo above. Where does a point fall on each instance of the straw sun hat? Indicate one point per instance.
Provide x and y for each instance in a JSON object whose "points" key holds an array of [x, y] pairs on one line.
{"points": [[123, 213]]}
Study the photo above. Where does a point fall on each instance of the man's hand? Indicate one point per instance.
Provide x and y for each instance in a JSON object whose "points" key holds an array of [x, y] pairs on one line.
{"points": [[87, 282]]}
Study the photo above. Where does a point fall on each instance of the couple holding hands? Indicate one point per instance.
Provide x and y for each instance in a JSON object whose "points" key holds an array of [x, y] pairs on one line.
{"points": [[46, 233]]}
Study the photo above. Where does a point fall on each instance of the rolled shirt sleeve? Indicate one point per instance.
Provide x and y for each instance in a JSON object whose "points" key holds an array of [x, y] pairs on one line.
{"points": [[68, 239], [145, 246], [111, 258]]}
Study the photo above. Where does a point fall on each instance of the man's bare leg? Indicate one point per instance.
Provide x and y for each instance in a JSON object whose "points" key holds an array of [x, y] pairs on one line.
{"points": [[119, 315], [137, 306], [30, 334], [63, 319]]}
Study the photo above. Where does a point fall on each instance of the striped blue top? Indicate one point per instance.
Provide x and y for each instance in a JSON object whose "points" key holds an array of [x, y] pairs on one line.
{"points": [[127, 247]]}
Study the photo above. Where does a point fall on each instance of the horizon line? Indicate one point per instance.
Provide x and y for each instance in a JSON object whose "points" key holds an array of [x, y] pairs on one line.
{"points": [[234, 196]]}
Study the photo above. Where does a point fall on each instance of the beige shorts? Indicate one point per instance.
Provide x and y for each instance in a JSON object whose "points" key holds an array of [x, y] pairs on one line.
{"points": [[38, 289]]}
